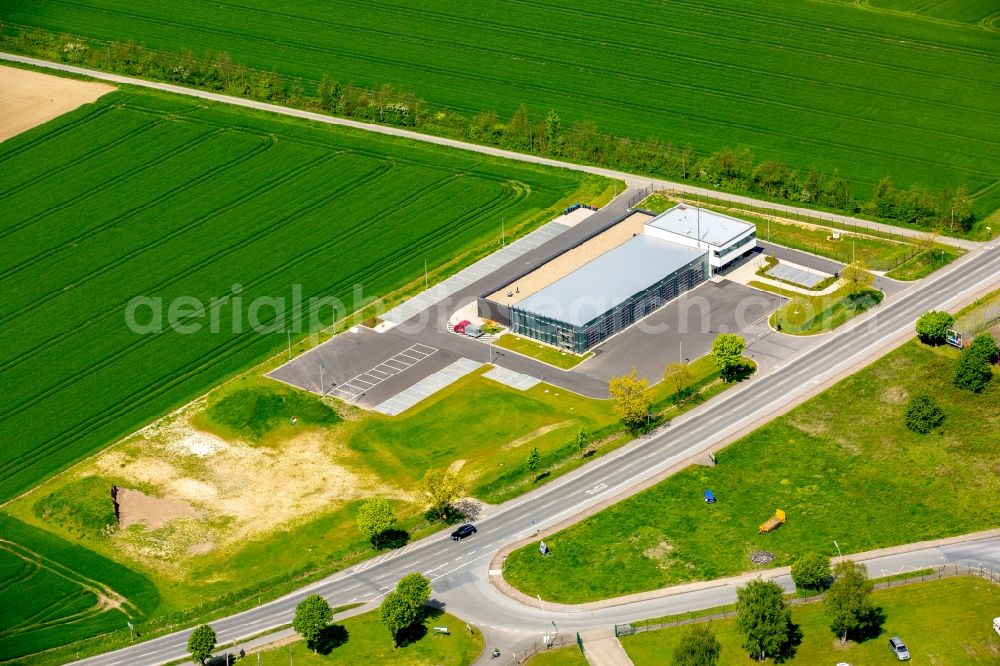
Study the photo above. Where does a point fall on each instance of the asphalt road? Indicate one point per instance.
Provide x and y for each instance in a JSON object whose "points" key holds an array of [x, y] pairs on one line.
{"points": [[459, 570]]}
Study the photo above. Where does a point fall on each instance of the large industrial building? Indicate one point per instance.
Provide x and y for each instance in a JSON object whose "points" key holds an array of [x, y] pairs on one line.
{"points": [[595, 290], [609, 293]]}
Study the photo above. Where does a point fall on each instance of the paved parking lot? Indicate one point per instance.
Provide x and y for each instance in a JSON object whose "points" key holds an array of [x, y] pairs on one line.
{"points": [[371, 378], [800, 276], [681, 330], [511, 378]]}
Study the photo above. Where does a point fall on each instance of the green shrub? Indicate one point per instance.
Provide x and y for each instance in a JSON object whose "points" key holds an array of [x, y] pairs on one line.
{"points": [[972, 372], [83, 505], [811, 572], [932, 327], [923, 414], [984, 346], [256, 412]]}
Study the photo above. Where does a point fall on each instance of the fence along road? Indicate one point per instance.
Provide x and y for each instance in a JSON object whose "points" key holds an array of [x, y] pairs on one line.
{"points": [[460, 571], [656, 184]]}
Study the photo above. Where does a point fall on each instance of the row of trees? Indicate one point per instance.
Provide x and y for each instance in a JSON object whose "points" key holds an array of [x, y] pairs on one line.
{"points": [[401, 611], [731, 169], [633, 399], [764, 619]]}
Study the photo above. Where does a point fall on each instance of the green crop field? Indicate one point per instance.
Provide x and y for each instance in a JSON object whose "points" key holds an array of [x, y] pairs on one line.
{"points": [[53, 592], [890, 89], [206, 212]]}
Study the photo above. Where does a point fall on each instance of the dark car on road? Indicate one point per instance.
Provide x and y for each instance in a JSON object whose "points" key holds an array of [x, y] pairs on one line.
{"points": [[462, 532]]}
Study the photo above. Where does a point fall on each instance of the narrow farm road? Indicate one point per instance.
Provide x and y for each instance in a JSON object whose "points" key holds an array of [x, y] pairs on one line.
{"points": [[633, 180]]}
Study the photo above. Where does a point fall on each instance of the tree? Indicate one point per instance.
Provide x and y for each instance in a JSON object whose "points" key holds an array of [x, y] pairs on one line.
{"points": [[984, 346], [397, 614], [201, 643], [581, 439], [375, 517], [441, 488], [415, 588], [534, 458], [404, 606], [698, 647], [632, 399], [848, 601], [923, 414], [727, 353], [678, 377], [312, 616], [973, 371], [811, 572], [763, 617], [857, 277], [932, 327]]}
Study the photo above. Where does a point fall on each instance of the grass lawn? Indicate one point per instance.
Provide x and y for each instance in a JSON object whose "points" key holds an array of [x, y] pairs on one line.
{"points": [[821, 72], [363, 640], [947, 621], [541, 352], [805, 314], [564, 656], [925, 263], [832, 464]]}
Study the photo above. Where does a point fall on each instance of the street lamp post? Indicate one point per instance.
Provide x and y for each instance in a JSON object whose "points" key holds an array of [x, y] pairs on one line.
{"points": [[322, 385], [289, 345]]}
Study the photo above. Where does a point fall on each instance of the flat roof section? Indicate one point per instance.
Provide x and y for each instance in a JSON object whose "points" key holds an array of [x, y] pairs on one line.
{"points": [[716, 229], [570, 260], [610, 279]]}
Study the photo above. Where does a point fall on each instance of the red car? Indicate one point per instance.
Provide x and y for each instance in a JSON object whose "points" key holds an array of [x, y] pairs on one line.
{"points": [[460, 326]]}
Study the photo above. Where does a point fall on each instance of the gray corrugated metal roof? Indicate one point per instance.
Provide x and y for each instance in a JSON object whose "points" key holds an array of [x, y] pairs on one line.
{"points": [[716, 229], [609, 279]]}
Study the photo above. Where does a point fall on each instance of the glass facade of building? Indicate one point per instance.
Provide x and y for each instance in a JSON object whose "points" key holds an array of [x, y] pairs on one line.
{"points": [[579, 339]]}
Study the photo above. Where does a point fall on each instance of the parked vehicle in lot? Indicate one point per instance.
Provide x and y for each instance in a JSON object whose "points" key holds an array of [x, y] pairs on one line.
{"points": [[898, 649], [996, 625], [460, 326], [463, 531]]}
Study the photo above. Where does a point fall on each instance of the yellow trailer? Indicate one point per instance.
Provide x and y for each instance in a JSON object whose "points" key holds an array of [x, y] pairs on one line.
{"points": [[772, 523]]}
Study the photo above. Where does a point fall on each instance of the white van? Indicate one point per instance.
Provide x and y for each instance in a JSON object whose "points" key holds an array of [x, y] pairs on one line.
{"points": [[996, 625]]}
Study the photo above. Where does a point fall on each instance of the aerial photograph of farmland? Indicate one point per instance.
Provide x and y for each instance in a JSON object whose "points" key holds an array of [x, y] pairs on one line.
{"points": [[502, 332]]}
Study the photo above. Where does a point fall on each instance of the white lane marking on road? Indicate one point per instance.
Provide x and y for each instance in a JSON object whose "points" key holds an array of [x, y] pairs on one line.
{"points": [[596, 489]]}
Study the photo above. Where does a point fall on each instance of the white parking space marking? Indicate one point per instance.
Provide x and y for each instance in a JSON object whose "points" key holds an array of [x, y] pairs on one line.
{"points": [[390, 367]]}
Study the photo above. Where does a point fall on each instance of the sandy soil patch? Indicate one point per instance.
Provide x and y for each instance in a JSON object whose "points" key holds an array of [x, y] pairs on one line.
{"points": [[210, 492], [153, 512], [570, 260], [28, 99]]}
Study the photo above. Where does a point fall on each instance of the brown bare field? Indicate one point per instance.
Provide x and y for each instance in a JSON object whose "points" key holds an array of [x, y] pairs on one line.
{"points": [[28, 99]]}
